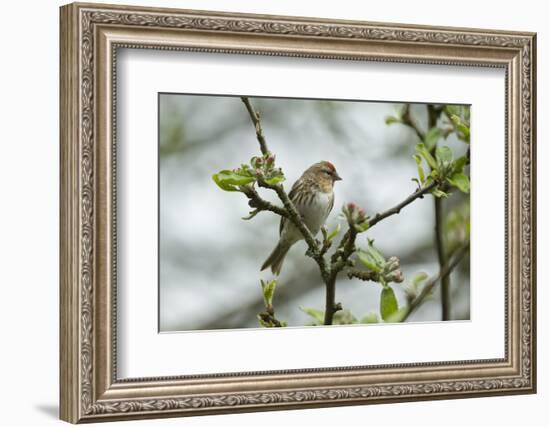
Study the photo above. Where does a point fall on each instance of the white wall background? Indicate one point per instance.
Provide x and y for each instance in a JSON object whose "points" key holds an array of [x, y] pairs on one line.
{"points": [[29, 170]]}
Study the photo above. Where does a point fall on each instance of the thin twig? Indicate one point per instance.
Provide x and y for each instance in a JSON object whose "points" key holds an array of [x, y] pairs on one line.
{"points": [[257, 202], [269, 318], [255, 116], [442, 260], [407, 119], [326, 242], [418, 194], [442, 257], [445, 271]]}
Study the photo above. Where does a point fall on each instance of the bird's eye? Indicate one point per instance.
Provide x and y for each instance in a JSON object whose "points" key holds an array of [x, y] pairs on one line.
{"points": [[327, 172]]}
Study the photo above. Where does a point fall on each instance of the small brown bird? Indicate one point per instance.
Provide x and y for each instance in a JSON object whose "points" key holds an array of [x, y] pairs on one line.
{"points": [[313, 197]]}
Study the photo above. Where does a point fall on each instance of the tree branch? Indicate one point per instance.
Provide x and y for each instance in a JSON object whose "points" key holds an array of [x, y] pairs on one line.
{"points": [[260, 204], [269, 318], [340, 258], [433, 115], [418, 194], [345, 248], [255, 116], [442, 259]]}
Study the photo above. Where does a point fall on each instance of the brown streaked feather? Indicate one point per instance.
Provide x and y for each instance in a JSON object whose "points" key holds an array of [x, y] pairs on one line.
{"points": [[291, 196]]}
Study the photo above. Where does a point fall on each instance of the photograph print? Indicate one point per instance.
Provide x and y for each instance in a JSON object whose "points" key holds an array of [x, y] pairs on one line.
{"points": [[278, 212]]}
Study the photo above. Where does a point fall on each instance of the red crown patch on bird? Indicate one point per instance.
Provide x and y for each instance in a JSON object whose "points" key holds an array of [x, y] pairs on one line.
{"points": [[330, 165]]}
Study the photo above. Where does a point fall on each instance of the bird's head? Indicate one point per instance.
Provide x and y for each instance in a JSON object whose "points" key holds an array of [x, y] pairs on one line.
{"points": [[324, 173]]}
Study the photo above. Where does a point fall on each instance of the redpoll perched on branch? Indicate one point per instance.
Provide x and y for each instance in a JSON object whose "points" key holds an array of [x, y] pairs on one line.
{"points": [[313, 198]]}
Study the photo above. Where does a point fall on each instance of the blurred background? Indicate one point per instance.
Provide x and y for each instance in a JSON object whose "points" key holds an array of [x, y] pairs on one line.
{"points": [[210, 258]]}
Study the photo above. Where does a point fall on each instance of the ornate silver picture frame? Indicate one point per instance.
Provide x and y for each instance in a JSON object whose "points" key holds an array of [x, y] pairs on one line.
{"points": [[91, 36]]}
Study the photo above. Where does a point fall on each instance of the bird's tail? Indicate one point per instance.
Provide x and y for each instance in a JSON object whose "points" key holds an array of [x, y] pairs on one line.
{"points": [[276, 258]]}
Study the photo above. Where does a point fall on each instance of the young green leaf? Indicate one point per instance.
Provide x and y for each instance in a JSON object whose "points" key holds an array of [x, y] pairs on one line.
{"points": [[229, 180], [364, 226], [368, 260], [398, 316], [369, 318], [334, 233], [376, 253], [391, 119], [444, 154], [388, 302], [418, 278], [462, 128], [439, 193], [268, 289], [458, 164], [432, 137], [423, 151], [318, 315], [344, 317], [419, 167], [460, 181], [274, 179], [222, 184], [251, 214]]}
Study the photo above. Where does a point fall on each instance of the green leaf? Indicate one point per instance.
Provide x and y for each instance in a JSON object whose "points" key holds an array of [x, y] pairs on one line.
{"points": [[418, 278], [268, 289], [222, 184], [229, 180], [458, 164], [462, 128], [318, 315], [398, 316], [236, 178], [370, 317], [432, 137], [388, 302], [364, 226], [423, 151], [369, 262], [460, 181], [453, 110], [418, 161], [334, 233], [251, 214], [444, 154], [391, 119], [344, 317], [372, 258], [438, 193], [380, 260], [275, 179]]}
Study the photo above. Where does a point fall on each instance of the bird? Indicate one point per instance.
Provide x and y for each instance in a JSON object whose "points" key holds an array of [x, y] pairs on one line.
{"points": [[313, 196]]}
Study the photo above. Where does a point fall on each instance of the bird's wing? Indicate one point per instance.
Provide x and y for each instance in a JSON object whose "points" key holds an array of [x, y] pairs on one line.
{"points": [[330, 203], [291, 195]]}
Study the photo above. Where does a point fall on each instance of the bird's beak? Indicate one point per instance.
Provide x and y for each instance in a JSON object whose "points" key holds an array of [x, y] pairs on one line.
{"points": [[337, 177]]}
